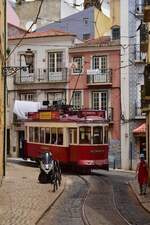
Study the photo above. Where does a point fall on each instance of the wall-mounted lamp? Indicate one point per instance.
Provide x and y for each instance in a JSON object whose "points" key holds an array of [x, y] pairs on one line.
{"points": [[10, 70]]}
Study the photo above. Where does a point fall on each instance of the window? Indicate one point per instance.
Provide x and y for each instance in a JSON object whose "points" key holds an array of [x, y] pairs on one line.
{"points": [[31, 134], [42, 135], [99, 100], [55, 96], [85, 135], [99, 62], [60, 136], [76, 100], [97, 135], [78, 63], [53, 136], [47, 136], [36, 134], [105, 135], [86, 36], [115, 33], [27, 97], [55, 60], [73, 135], [85, 20]]}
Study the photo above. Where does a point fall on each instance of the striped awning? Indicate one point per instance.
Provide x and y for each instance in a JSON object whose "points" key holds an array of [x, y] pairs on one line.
{"points": [[140, 130]]}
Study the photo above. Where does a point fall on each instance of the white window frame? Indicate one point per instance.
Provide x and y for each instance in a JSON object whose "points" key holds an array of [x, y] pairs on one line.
{"points": [[27, 96], [78, 68], [55, 61], [99, 93], [81, 98]]}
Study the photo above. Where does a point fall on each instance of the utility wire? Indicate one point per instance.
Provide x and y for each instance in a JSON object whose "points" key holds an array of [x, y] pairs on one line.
{"points": [[34, 22]]}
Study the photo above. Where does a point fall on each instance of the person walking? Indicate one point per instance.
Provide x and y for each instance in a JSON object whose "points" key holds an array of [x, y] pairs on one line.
{"points": [[142, 173]]}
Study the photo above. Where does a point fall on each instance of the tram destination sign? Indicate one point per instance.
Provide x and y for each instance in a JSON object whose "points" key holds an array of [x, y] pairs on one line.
{"points": [[99, 113]]}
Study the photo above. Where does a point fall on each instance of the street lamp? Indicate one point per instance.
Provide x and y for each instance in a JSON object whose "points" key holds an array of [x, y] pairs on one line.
{"points": [[8, 71]]}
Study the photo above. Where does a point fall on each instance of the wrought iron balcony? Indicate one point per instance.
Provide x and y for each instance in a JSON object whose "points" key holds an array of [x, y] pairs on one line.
{"points": [[144, 35], [139, 57], [138, 112], [146, 10], [41, 76], [99, 76]]}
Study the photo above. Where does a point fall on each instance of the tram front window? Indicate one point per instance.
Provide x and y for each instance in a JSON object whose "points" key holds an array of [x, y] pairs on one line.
{"points": [[97, 135], [36, 134], [60, 136], [53, 136], [42, 131], [85, 135], [47, 135]]}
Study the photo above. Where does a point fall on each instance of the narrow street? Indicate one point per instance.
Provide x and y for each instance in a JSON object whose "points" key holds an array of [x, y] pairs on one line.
{"points": [[102, 199]]}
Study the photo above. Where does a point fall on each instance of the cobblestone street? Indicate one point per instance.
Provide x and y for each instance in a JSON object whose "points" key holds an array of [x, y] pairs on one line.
{"points": [[23, 199]]}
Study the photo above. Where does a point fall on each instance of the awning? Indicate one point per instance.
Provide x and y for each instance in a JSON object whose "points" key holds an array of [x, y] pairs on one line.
{"points": [[140, 130]]}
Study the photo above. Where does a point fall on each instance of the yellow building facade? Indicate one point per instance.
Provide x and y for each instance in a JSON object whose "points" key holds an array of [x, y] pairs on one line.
{"points": [[2, 63]]}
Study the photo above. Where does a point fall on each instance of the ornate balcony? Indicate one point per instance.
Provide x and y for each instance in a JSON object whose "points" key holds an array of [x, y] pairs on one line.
{"points": [[146, 10], [99, 77], [41, 76], [144, 38]]}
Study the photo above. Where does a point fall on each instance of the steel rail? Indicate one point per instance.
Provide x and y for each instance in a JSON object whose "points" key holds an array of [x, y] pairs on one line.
{"points": [[114, 201]]}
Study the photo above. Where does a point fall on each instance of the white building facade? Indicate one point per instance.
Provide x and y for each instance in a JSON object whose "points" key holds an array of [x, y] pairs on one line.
{"points": [[45, 80], [132, 78]]}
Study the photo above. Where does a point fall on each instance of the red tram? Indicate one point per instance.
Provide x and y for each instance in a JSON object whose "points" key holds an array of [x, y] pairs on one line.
{"points": [[79, 140]]}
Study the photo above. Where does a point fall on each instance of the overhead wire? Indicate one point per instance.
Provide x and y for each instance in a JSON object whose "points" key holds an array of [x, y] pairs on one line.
{"points": [[34, 22]]}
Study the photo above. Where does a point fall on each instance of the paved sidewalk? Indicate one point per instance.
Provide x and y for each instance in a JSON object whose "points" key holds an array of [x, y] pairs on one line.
{"points": [[143, 199], [23, 200]]}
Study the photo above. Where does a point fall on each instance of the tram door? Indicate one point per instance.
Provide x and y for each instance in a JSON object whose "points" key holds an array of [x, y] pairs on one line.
{"points": [[21, 143]]}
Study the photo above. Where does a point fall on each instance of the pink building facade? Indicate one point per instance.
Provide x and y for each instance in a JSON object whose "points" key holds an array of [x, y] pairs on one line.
{"points": [[94, 82]]}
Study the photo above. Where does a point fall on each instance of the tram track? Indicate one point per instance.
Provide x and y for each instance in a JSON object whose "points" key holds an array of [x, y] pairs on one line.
{"points": [[91, 200], [85, 217]]}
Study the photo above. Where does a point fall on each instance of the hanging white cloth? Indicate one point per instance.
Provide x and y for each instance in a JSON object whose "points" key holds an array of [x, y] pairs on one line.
{"points": [[21, 108]]}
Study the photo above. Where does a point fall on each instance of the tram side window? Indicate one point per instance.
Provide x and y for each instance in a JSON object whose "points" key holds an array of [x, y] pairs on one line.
{"points": [[53, 136], [97, 135], [73, 136], [85, 135], [60, 136], [31, 134], [36, 134], [42, 135], [105, 135], [47, 136]]}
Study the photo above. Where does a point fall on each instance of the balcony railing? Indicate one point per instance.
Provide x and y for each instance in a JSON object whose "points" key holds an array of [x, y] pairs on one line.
{"points": [[99, 76], [144, 38], [138, 112], [139, 57], [41, 76], [146, 10]]}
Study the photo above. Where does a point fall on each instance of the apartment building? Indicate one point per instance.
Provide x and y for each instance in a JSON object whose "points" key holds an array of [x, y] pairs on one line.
{"points": [[44, 80], [94, 83]]}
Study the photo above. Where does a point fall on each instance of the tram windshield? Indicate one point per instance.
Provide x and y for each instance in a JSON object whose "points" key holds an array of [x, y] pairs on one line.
{"points": [[85, 135]]}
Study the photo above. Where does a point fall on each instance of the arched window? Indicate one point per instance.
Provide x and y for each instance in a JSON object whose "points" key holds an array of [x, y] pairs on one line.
{"points": [[115, 32]]}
